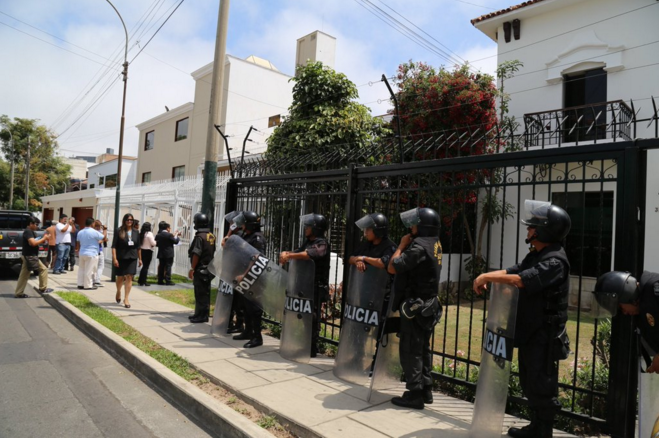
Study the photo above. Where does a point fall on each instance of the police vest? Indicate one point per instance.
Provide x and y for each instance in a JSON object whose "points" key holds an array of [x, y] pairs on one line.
{"points": [[207, 246], [423, 280], [533, 311], [256, 240], [648, 317]]}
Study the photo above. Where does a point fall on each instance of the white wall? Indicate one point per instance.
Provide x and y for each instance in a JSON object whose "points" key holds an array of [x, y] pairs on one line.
{"points": [[128, 168]]}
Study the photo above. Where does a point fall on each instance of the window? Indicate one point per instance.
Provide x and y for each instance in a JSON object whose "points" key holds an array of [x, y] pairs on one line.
{"points": [[590, 242], [274, 121], [148, 140], [182, 129], [111, 181], [101, 180], [146, 177], [178, 173], [585, 89], [91, 186]]}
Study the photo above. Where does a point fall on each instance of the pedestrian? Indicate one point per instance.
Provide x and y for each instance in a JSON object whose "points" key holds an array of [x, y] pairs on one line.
{"points": [[620, 290], [87, 249], [201, 253], [250, 223], [30, 258], [417, 265], [98, 226], [543, 280], [52, 245], [136, 225], [315, 247], [165, 242], [147, 244], [71, 261], [63, 241], [126, 256]]}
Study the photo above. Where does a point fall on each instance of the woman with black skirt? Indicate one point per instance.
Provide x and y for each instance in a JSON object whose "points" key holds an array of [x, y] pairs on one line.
{"points": [[126, 255], [147, 243]]}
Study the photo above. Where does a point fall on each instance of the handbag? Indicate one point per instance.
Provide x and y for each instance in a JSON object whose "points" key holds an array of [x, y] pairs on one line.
{"points": [[32, 262]]}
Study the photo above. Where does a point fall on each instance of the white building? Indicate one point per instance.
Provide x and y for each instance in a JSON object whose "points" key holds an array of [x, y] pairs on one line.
{"points": [[172, 145], [586, 63]]}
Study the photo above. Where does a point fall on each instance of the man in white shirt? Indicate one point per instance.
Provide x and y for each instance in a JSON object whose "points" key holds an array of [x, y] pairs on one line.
{"points": [[63, 241]]}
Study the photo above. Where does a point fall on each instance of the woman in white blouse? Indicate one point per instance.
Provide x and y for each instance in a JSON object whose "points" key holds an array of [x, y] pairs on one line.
{"points": [[147, 244]]}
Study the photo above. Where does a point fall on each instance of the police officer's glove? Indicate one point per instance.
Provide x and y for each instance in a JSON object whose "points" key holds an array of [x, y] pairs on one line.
{"points": [[411, 307]]}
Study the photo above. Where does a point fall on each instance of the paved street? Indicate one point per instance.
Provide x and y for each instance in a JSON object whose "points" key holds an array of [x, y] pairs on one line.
{"points": [[55, 382]]}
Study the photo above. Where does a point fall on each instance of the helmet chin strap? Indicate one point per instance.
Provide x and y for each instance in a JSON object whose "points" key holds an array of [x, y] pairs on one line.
{"points": [[533, 238]]}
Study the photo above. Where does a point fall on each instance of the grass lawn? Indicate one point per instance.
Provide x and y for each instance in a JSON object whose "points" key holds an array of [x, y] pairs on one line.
{"points": [[457, 321], [175, 279], [184, 297]]}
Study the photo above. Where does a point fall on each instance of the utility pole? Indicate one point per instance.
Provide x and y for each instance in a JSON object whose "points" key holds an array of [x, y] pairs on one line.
{"points": [[215, 116], [27, 175]]}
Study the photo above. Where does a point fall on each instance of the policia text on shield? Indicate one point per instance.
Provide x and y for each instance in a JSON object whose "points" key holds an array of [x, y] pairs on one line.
{"points": [[543, 280]]}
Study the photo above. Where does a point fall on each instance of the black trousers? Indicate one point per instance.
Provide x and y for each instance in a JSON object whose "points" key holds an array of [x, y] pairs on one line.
{"points": [[253, 317], [147, 256], [320, 296], [165, 270], [539, 379], [237, 318], [415, 353], [202, 294]]}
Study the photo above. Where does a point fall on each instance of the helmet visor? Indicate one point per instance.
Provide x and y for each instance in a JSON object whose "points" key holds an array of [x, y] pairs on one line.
{"points": [[604, 306], [535, 212], [229, 217], [239, 220], [410, 217], [365, 222], [308, 220]]}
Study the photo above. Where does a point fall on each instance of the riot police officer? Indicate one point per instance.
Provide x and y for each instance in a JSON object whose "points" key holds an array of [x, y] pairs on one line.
{"points": [[417, 265], [201, 252], [250, 223], [543, 279], [315, 247], [237, 315], [620, 290], [376, 249]]}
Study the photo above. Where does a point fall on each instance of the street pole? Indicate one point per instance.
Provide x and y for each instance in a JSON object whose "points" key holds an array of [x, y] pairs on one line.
{"points": [[11, 178], [117, 198], [27, 176], [215, 117]]}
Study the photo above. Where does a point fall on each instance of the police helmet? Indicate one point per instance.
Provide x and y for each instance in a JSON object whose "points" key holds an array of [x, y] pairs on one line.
{"points": [[375, 221], [250, 219], [551, 222], [317, 222], [611, 289], [200, 221], [426, 220]]}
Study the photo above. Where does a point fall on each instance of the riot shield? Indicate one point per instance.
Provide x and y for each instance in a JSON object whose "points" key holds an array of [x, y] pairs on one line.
{"points": [[360, 325], [254, 275], [648, 404], [222, 312], [298, 312], [492, 389], [387, 370]]}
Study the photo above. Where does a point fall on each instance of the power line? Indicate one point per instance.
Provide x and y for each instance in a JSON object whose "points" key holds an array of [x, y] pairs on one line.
{"points": [[158, 30]]}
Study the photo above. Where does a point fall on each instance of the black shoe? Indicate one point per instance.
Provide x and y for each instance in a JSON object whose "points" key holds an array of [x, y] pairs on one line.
{"points": [[427, 395], [256, 342], [161, 283], [170, 283], [146, 285], [22, 296], [81, 287], [233, 330], [199, 319], [193, 316], [242, 337], [411, 399]]}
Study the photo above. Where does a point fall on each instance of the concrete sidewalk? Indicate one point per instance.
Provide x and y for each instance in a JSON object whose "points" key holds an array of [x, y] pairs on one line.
{"points": [[308, 397]]}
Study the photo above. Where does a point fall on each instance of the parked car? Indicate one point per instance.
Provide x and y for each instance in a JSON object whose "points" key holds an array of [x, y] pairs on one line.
{"points": [[12, 225]]}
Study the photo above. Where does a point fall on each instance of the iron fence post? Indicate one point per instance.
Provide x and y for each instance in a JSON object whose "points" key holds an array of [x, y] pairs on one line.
{"points": [[351, 209]]}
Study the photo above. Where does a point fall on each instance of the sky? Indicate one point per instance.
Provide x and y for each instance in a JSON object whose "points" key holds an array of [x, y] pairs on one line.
{"points": [[62, 59]]}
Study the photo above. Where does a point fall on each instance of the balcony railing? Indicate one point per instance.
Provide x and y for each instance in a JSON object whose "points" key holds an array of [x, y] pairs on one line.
{"points": [[605, 121]]}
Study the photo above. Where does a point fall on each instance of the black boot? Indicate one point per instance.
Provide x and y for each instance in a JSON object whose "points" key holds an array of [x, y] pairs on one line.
{"points": [[255, 342], [410, 399], [427, 395], [244, 336], [528, 431], [202, 317]]}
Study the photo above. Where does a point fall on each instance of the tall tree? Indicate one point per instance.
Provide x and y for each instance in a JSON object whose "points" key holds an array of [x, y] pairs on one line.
{"points": [[324, 115], [46, 168]]}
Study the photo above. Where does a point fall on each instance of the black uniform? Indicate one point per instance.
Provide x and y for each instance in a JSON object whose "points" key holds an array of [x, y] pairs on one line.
{"points": [[417, 276], [253, 313], [237, 317], [541, 317], [318, 251], [648, 317], [203, 245]]}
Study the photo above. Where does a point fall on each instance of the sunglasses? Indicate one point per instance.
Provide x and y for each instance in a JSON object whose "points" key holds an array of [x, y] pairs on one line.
{"points": [[129, 220]]}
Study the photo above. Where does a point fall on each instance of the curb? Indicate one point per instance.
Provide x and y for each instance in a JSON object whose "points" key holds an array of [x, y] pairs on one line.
{"points": [[219, 420]]}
